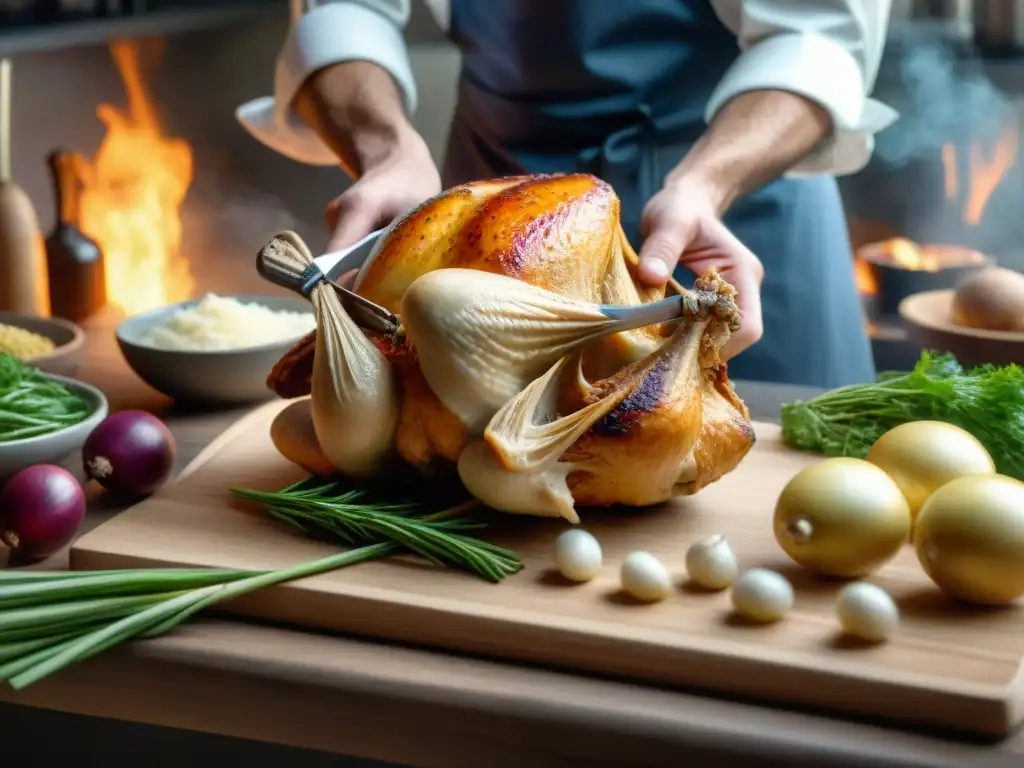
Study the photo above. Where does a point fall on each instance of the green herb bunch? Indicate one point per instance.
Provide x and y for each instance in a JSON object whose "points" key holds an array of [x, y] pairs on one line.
{"points": [[987, 401], [50, 620], [32, 404], [337, 510]]}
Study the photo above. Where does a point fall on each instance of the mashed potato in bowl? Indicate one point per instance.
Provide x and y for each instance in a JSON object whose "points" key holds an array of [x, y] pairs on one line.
{"points": [[219, 323]]}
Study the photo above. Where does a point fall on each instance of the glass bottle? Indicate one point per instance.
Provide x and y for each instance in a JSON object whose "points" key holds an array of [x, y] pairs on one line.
{"points": [[74, 260]]}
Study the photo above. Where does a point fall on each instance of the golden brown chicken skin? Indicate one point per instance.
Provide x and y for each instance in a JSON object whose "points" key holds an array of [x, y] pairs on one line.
{"points": [[678, 424]]}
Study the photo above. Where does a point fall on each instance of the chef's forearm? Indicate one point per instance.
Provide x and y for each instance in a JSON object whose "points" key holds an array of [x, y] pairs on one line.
{"points": [[357, 110], [754, 138]]}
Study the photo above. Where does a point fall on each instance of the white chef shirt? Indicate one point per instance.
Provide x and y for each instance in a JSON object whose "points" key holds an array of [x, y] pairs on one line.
{"points": [[825, 50]]}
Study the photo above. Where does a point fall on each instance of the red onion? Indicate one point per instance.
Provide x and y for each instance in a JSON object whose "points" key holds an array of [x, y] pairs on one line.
{"points": [[130, 452], [40, 509]]}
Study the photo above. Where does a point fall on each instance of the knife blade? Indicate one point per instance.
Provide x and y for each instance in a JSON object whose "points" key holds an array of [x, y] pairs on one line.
{"points": [[280, 261], [337, 263]]}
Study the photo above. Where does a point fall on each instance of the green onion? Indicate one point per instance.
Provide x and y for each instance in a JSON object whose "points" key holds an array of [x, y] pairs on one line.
{"points": [[117, 584], [19, 649], [164, 616], [49, 621], [33, 405]]}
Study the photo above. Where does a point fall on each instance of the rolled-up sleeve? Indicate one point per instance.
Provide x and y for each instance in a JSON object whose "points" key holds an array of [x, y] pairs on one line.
{"points": [[325, 32], [825, 50]]}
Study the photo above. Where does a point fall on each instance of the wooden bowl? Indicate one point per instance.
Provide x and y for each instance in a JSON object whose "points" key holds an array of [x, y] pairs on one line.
{"points": [[68, 339], [928, 317]]}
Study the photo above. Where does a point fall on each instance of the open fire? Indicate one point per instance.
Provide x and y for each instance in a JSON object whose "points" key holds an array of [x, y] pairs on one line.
{"points": [[969, 179], [132, 192]]}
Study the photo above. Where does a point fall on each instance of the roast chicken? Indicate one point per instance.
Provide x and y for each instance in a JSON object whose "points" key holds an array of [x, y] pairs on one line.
{"points": [[505, 371]]}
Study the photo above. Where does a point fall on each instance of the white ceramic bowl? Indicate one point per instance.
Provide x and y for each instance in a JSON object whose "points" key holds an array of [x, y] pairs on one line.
{"points": [[205, 377], [56, 446]]}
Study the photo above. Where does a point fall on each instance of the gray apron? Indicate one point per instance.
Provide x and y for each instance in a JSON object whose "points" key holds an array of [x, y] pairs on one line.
{"points": [[617, 88]]}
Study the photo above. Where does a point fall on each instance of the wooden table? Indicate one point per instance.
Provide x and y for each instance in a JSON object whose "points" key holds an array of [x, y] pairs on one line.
{"points": [[422, 708]]}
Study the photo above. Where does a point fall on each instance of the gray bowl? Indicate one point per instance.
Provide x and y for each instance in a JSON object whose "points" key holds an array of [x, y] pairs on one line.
{"points": [[56, 446], [221, 377]]}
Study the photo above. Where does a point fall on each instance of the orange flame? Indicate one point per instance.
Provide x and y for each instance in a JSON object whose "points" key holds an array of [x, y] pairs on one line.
{"points": [[864, 278], [985, 170], [132, 193]]}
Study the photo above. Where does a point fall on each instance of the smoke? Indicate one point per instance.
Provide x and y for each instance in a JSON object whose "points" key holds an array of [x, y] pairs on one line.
{"points": [[944, 97], [941, 98], [251, 215], [225, 223], [225, 218]]}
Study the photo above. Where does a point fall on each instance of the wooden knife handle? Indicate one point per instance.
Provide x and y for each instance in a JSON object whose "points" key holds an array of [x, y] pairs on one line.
{"points": [[283, 261]]}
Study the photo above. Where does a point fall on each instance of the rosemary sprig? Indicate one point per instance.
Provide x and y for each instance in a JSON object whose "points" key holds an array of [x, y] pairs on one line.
{"points": [[332, 508], [49, 621]]}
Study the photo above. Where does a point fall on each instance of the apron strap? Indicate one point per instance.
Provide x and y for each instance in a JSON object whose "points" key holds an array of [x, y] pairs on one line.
{"points": [[627, 160]]}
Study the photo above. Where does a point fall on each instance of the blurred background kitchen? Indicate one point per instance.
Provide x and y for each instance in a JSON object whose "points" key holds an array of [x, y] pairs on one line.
{"points": [[142, 94]]}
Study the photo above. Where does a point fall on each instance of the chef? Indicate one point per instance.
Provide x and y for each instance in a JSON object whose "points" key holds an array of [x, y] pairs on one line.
{"points": [[720, 124]]}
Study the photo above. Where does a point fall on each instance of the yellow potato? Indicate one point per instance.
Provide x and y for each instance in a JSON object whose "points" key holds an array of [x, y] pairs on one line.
{"points": [[292, 434], [922, 456], [841, 517], [969, 538]]}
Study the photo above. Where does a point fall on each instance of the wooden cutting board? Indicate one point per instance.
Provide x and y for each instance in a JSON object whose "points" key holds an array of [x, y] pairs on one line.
{"points": [[951, 666]]}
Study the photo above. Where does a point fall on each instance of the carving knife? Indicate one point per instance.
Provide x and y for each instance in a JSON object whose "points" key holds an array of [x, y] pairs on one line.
{"points": [[337, 263]]}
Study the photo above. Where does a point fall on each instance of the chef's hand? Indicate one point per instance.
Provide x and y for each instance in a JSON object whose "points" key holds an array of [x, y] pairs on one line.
{"points": [[681, 227], [398, 182]]}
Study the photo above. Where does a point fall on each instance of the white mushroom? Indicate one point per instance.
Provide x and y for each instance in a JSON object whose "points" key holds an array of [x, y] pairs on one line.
{"points": [[762, 595], [644, 577], [867, 612], [711, 563], [578, 555]]}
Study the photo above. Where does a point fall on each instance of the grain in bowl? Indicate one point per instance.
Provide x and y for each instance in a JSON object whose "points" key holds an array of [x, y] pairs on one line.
{"points": [[218, 323], [23, 343]]}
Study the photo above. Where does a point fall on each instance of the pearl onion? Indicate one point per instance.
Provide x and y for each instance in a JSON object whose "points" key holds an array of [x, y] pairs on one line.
{"points": [[644, 577], [711, 563], [577, 555], [867, 612], [762, 595]]}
